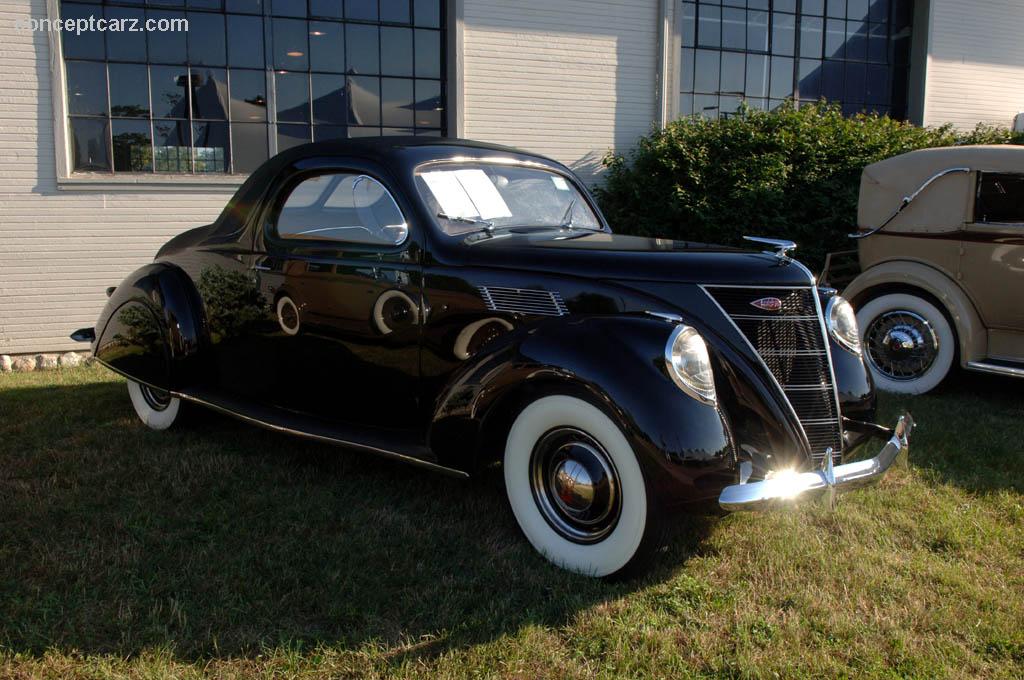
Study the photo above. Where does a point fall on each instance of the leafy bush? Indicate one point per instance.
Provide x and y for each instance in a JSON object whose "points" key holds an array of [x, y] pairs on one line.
{"points": [[788, 173]]}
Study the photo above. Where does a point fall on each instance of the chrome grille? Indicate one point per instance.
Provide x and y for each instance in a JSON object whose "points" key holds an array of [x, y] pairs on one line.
{"points": [[523, 301], [792, 345]]}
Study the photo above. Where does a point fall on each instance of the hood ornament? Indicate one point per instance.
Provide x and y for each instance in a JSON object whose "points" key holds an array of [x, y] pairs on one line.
{"points": [[781, 246], [768, 304]]}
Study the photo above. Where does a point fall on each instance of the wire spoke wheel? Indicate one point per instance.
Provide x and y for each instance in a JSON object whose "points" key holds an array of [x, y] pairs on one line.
{"points": [[901, 345]]}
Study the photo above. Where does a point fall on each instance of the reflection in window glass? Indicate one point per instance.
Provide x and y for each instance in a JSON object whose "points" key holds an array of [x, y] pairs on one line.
{"points": [[87, 44], [395, 11], [757, 31], [245, 41], [325, 132], [206, 42], [396, 51], [733, 73], [326, 46], [810, 79], [428, 53], [427, 13], [129, 91], [172, 151], [734, 28], [362, 50], [329, 99], [781, 85], [428, 103], [133, 146], [757, 76], [709, 26], [190, 89], [783, 34], [292, 135], [291, 51], [248, 95], [397, 105], [342, 207], [810, 37], [126, 45], [292, 97], [248, 146], [166, 47], [210, 147], [169, 86], [363, 100], [87, 88], [706, 78], [89, 145]]}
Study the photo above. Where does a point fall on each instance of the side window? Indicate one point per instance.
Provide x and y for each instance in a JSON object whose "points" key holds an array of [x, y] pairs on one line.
{"points": [[1000, 198], [343, 207]]}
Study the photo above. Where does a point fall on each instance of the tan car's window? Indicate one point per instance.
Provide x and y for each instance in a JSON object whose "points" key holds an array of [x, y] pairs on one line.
{"points": [[1000, 198]]}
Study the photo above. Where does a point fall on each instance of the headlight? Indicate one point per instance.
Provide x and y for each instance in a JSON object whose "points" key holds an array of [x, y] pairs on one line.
{"points": [[688, 363], [842, 323]]}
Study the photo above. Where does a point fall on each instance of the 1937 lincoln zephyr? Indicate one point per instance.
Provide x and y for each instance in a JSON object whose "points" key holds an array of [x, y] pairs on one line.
{"points": [[456, 304]]}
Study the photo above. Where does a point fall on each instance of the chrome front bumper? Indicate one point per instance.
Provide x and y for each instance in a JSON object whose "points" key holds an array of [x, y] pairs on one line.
{"points": [[822, 484]]}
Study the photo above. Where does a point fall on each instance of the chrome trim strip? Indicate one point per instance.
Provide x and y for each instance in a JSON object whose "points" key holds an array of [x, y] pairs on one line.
{"points": [[824, 483], [772, 317], [995, 368], [329, 440], [825, 337]]}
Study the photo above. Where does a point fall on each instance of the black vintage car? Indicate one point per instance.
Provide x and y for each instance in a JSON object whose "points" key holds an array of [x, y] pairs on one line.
{"points": [[454, 304]]}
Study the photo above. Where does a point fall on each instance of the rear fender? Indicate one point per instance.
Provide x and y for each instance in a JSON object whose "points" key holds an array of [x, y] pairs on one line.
{"points": [[151, 328], [616, 363]]}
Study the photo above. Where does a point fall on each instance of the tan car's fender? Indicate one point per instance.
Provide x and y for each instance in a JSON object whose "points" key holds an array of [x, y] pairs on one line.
{"points": [[970, 331]]}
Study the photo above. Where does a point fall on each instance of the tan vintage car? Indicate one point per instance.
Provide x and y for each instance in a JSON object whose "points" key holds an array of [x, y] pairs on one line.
{"points": [[941, 250]]}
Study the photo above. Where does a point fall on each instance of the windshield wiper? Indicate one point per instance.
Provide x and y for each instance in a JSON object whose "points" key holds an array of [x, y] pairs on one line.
{"points": [[487, 226], [567, 215]]}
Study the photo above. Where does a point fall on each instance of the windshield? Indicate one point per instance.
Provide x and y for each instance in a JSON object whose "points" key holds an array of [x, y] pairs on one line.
{"points": [[469, 197]]}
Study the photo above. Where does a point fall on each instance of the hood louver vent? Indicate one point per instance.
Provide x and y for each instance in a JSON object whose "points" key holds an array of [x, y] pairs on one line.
{"points": [[523, 301]]}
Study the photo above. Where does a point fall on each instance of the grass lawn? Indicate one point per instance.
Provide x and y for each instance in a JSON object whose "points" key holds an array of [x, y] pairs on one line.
{"points": [[230, 551]]}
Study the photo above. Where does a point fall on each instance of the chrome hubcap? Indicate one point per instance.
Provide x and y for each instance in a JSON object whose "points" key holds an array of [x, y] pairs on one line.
{"points": [[901, 345], [575, 485], [158, 400]]}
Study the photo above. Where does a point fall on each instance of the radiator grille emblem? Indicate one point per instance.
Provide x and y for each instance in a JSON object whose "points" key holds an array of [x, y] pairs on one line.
{"points": [[768, 304]]}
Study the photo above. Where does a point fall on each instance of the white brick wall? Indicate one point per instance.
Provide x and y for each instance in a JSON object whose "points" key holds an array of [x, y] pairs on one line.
{"points": [[570, 79], [59, 250], [975, 69]]}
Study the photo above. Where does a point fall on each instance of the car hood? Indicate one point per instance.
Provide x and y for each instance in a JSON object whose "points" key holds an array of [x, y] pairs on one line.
{"points": [[618, 257]]}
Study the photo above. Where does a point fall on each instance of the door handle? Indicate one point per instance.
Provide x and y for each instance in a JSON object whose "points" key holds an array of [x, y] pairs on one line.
{"points": [[260, 268]]}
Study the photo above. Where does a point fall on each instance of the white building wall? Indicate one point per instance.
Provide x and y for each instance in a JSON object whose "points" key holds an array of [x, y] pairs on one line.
{"points": [[60, 249], [571, 79], [975, 69]]}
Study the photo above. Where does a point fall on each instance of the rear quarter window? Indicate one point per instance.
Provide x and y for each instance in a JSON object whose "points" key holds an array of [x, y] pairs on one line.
{"points": [[1000, 198]]}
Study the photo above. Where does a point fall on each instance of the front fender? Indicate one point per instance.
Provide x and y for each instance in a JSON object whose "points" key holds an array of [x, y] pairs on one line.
{"points": [[151, 328], [617, 363]]}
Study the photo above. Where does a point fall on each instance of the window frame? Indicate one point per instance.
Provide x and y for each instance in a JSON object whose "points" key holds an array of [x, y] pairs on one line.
{"points": [[979, 219], [452, 118], [272, 212]]}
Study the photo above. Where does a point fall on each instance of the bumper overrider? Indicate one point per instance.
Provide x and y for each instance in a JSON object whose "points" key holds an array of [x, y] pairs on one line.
{"points": [[823, 484]]}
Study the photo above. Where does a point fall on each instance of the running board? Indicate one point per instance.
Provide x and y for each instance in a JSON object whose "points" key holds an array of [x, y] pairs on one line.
{"points": [[1002, 368], [286, 422]]}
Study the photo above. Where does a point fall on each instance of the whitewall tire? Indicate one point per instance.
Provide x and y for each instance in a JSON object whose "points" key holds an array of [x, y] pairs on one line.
{"points": [[157, 409], [908, 343], [576, 487]]}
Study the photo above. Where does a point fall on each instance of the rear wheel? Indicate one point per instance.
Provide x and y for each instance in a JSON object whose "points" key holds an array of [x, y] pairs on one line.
{"points": [[156, 408], [576, 488], [908, 343]]}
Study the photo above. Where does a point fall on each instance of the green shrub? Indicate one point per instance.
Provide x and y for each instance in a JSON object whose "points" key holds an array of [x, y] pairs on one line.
{"points": [[790, 173]]}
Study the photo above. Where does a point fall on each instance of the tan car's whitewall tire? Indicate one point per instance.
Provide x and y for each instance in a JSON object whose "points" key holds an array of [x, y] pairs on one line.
{"points": [[157, 409], [908, 343], [580, 526]]}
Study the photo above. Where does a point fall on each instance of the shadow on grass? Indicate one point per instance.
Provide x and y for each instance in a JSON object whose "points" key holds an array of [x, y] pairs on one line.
{"points": [[970, 431], [224, 539]]}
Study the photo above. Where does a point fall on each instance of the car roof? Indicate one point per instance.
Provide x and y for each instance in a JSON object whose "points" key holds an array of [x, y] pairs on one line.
{"points": [[391, 152], [943, 205]]}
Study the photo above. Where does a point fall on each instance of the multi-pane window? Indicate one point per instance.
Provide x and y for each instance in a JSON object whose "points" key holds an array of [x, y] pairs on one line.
{"points": [[247, 79], [851, 52]]}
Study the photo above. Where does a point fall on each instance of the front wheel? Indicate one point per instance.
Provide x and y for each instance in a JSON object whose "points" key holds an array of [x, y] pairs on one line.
{"points": [[576, 488], [156, 408], [908, 343]]}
